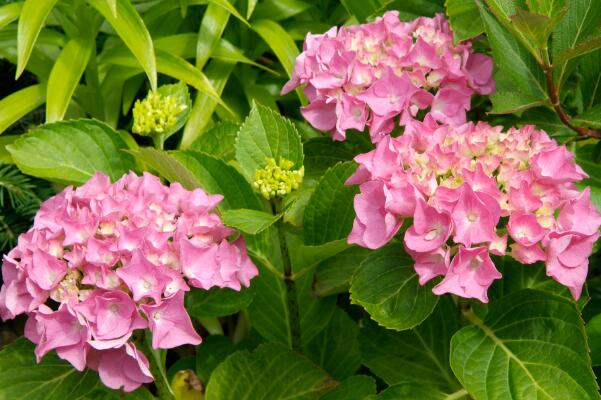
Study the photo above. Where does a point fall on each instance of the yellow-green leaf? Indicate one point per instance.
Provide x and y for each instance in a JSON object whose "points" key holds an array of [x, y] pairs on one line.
{"points": [[9, 13], [20, 103], [32, 18]]}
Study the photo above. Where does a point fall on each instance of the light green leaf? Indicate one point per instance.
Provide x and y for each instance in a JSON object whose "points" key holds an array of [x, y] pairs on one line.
{"points": [[279, 41], [213, 24], [9, 13], [356, 387], [218, 302], [329, 214], [131, 29], [386, 285], [250, 7], [535, 29], [18, 104], [72, 151], [530, 345], [166, 166], [269, 372], [419, 355], [65, 76], [266, 134], [32, 19], [589, 45], [464, 18], [306, 258], [590, 118], [336, 348], [21, 378], [334, 275], [516, 66], [277, 10], [249, 221], [219, 141], [218, 73], [226, 5]]}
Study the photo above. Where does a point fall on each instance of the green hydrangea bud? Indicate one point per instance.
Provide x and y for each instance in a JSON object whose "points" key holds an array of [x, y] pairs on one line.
{"points": [[156, 114], [277, 180]]}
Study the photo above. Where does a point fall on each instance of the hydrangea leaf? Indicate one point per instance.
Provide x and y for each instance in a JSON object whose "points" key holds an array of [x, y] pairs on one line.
{"points": [[53, 379], [531, 344], [356, 387], [386, 285], [419, 355], [218, 302], [329, 214], [72, 151], [270, 372], [266, 134], [218, 141]]}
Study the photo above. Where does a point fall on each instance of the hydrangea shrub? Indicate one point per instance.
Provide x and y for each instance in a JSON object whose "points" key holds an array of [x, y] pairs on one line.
{"points": [[413, 214]]}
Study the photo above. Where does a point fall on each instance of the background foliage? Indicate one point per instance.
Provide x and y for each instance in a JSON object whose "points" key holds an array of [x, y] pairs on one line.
{"points": [[323, 319]]}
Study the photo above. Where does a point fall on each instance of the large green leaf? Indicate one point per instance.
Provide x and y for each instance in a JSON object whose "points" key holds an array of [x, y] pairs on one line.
{"points": [[530, 345], [219, 141], [522, 74], [419, 355], [72, 151], [386, 285], [266, 134], [131, 29], [10, 12], [356, 387], [19, 103], [65, 76], [249, 221], [269, 372], [464, 18], [329, 214], [414, 391], [336, 348], [32, 19], [218, 302], [53, 379], [593, 332]]}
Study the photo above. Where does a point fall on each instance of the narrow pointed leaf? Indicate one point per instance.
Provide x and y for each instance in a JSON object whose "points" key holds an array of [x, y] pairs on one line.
{"points": [[19, 103], [32, 19], [9, 13]]}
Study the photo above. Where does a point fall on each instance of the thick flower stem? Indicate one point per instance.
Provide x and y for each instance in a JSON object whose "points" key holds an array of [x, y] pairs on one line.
{"points": [[291, 297], [157, 369]]}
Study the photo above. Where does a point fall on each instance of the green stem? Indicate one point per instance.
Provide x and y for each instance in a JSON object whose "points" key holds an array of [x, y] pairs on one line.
{"points": [[158, 370], [457, 395], [159, 141], [212, 325], [291, 296]]}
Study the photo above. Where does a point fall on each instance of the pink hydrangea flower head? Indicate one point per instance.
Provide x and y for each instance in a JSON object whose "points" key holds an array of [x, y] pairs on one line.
{"points": [[376, 74], [472, 190], [107, 259]]}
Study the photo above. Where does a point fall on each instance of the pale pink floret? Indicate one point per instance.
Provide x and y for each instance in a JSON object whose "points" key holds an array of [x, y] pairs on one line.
{"points": [[470, 186], [470, 274], [106, 251], [379, 73]]}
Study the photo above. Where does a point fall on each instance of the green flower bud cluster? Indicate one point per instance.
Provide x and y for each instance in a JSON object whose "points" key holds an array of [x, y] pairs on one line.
{"points": [[156, 114], [277, 180]]}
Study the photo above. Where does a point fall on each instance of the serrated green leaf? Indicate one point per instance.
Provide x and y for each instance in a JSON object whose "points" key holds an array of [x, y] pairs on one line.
{"points": [[419, 355], [166, 166], [269, 372], [266, 134], [329, 214], [19, 103], [218, 302], [585, 47], [593, 332], [9, 13], [32, 19], [336, 348], [386, 285], [334, 275], [21, 378], [131, 29], [464, 18], [219, 141], [530, 345], [65, 76], [72, 151], [356, 387], [249, 221], [535, 28]]}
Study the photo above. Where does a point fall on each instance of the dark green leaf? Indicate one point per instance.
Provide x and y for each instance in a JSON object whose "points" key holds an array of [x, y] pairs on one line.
{"points": [[414, 391], [218, 302], [386, 285], [356, 387], [210, 353], [333, 275], [590, 118], [530, 345]]}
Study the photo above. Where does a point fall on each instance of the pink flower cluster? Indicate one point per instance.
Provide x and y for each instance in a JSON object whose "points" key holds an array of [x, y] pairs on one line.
{"points": [[367, 75], [469, 188], [104, 260]]}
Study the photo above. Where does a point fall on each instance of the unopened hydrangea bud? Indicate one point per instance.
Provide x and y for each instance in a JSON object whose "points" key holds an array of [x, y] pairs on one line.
{"points": [[277, 180], [156, 114]]}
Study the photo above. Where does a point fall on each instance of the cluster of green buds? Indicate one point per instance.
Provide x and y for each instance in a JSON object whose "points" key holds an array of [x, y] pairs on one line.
{"points": [[278, 179], [156, 114]]}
